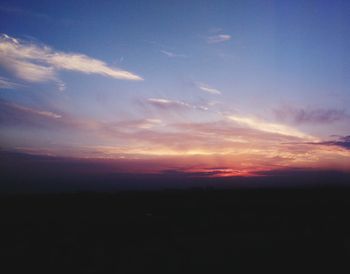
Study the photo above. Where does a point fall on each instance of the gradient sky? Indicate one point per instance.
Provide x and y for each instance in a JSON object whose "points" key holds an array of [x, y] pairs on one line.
{"points": [[235, 87]]}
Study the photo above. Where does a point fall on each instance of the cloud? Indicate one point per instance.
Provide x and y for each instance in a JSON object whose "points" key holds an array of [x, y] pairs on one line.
{"points": [[269, 127], [172, 54], [44, 113], [310, 115], [140, 123], [206, 88], [149, 123], [220, 38], [61, 85], [14, 114], [167, 104], [342, 141], [37, 63], [6, 84], [193, 145]]}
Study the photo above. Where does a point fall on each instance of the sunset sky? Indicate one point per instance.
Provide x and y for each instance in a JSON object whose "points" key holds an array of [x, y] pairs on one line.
{"points": [[223, 88]]}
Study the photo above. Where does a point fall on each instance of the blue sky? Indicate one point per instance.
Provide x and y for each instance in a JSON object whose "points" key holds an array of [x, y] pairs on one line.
{"points": [[147, 68]]}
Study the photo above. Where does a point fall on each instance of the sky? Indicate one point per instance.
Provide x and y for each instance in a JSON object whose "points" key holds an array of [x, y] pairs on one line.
{"points": [[220, 88]]}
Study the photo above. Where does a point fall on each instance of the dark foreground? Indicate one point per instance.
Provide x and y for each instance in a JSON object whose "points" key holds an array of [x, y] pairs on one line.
{"points": [[199, 231]]}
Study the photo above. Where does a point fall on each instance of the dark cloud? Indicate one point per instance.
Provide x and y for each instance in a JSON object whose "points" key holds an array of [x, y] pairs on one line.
{"points": [[343, 142], [201, 173], [310, 115]]}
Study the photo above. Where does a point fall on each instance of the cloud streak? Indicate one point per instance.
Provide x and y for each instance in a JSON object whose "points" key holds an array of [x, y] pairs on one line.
{"points": [[40, 63], [342, 141], [310, 115], [241, 146], [219, 38], [208, 89], [6, 84], [147, 123], [167, 104], [28, 110], [13, 114], [172, 54], [269, 127]]}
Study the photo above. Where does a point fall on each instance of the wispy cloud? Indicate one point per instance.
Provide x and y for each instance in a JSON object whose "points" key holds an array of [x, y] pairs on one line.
{"points": [[342, 141], [218, 143], [219, 38], [38, 63], [172, 54], [167, 104], [44, 113], [208, 89], [269, 127], [7, 84], [13, 113], [147, 123], [310, 115]]}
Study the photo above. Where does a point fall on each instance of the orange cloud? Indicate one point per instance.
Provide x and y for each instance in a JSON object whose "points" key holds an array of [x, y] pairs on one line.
{"points": [[240, 145]]}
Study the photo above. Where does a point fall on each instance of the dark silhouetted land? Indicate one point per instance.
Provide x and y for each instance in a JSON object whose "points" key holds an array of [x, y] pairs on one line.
{"points": [[201, 231]]}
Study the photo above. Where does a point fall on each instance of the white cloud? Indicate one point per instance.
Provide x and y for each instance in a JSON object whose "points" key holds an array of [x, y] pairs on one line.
{"points": [[61, 85], [206, 88], [172, 54], [159, 101], [218, 38], [165, 103], [27, 71], [269, 127], [37, 63]]}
